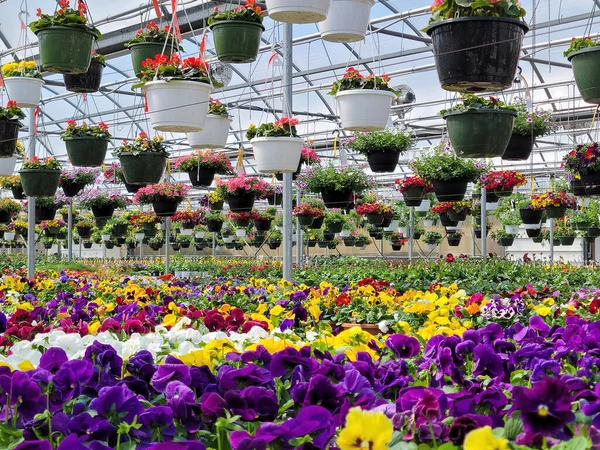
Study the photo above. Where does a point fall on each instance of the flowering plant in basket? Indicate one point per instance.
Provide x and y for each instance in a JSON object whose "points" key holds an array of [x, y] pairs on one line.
{"points": [[84, 222], [28, 69], [381, 141], [85, 130], [77, 175], [556, 199], [10, 182], [304, 209], [267, 214], [242, 185], [102, 198], [579, 44], [52, 224], [64, 16], [309, 156], [11, 112], [443, 165], [397, 238], [502, 180], [216, 108], [10, 206], [353, 79], [187, 217], [249, 12], [320, 178], [172, 192], [214, 216], [41, 163], [583, 159], [449, 9], [472, 102], [152, 33], [432, 237], [142, 144], [238, 216], [499, 234], [532, 123], [413, 182], [286, 126], [205, 159], [444, 207], [171, 67], [113, 173], [373, 208], [141, 218], [47, 202]]}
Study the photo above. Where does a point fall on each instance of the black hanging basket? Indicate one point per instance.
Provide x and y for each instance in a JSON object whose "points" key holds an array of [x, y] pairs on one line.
{"points": [[262, 225], [5, 216], [337, 199], [71, 190], [103, 212], [591, 183], [577, 188], [447, 221], [457, 216], [413, 196], [133, 188], [383, 162], [201, 177], [44, 213], [275, 199], [18, 193], [214, 226], [317, 224], [453, 240], [9, 132], [165, 208], [85, 83], [477, 54], [241, 203], [533, 233], [531, 216], [84, 232], [450, 190], [519, 148], [566, 240]]}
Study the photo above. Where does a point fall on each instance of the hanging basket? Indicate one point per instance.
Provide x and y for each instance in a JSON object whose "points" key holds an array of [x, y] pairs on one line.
{"points": [[506, 242], [531, 216], [446, 221], [241, 223], [277, 154], [413, 196], [140, 51], [533, 232], [213, 135], [214, 226], [262, 225], [480, 133], [364, 109], [298, 11], [591, 183], [7, 166], [555, 212], [275, 199], [65, 49], [477, 54], [201, 177], [457, 216], [337, 199], [39, 182], [586, 64], [143, 168], [103, 212], [177, 106], [44, 213], [72, 189], [5, 217], [519, 148], [335, 227], [9, 132], [375, 219], [85, 83], [383, 162], [84, 232], [566, 240], [237, 41], [241, 202], [133, 188], [453, 241], [577, 187], [165, 208], [26, 91], [501, 193], [450, 190], [216, 206], [88, 151], [305, 221], [317, 223], [347, 21]]}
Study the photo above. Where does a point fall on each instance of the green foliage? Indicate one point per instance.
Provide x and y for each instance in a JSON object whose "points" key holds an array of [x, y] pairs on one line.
{"points": [[537, 123], [579, 44], [449, 9], [471, 102], [63, 17], [320, 178], [442, 165], [382, 141], [432, 237]]}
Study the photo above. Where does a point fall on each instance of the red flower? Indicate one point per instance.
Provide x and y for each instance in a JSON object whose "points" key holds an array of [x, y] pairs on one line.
{"points": [[11, 104], [449, 258]]}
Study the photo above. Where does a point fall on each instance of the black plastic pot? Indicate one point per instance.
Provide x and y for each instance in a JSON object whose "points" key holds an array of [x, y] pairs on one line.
{"points": [[274, 245], [589, 239], [109, 245], [538, 239], [577, 188], [217, 206], [387, 221], [451, 190], [566, 240], [9, 132], [87, 245], [85, 82], [457, 216], [337, 199], [241, 203], [305, 221], [214, 226], [447, 221], [413, 196], [506, 242], [383, 162], [375, 219], [376, 234], [477, 54], [165, 208], [119, 230], [317, 224], [328, 235], [349, 241], [335, 227], [275, 199], [322, 244], [519, 148], [533, 233], [242, 223], [396, 247], [491, 197], [593, 232], [555, 212], [262, 225], [453, 240], [84, 232], [531, 216], [591, 183], [18, 193], [201, 176], [5, 217], [103, 212], [44, 213], [71, 190], [133, 188]]}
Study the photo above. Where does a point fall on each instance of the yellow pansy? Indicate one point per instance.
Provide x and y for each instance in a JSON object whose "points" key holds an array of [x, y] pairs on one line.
{"points": [[484, 439], [169, 320], [276, 310], [365, 430], [94, 327], [24, 366], [314, 311]]}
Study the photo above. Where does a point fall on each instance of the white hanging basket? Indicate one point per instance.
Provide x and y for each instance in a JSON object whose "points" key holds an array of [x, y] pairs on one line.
{"points": [[424, 206], [228, 239], [187, 232], [364, 109], [428, 223], [200, 234], [345, 233], [277, 154], [298, 11], [431, 247], [7, 166], [347, 21], [213, 135], [105, 237], [532, 226], [26, 91], [511, 229], [491, 206], [177, 106], [240, 232], [9, 236]]}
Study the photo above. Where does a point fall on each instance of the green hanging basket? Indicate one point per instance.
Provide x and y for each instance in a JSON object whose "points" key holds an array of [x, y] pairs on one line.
{"points": [[39, 182], [143, 168], [237, 41], [86, 151], [586, 64], [141, 51], [65, 49]]}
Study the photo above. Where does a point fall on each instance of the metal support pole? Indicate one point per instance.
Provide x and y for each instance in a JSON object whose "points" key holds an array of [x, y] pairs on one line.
{"points": [[483, 223], [551, 241], [70, 232], [287, 177], [411, 232], [31, 204], [167, 243], [80, 247], [299, 244], [214, 245]]}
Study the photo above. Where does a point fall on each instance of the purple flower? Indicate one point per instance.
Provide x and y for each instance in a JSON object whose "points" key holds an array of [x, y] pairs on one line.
{"points": [[34, 445], [170, 372], [250, 375], [181, 445], [117, 404], [487, 362], [403, 346], [462, 425]]}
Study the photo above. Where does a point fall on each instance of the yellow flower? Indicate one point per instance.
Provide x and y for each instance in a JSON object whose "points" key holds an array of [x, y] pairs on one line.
{"points": [[315, 311], [484, 439], [276, 310], [543, 310], [94, 327], [365, 430], [170, 320], [262, 308]]}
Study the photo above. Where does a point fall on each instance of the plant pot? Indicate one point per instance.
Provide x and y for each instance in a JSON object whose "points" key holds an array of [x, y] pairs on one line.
{"points": [[589, 239], [229, 245], [593, 232], [216, 206], [451, 190], [337, 199], [275, 199], [483, 133], [277, 154], [201, 177], [7, 165], [65, 49], [591, 183], [262, 225], [86, 151], [165, 208], [347, 21], [177, 106], [213, 135], [317, 223], [143, 168], [39, 182], [428, 223], [133, 188], [322, 244], [555, 212], [26, 91], [119, 230], [109, 245], [141, 51], [241, 233], [103, 212], [586, 63], [538, 239], [376, 234], [44, 213], [9, 132], [150, 232], [386, 222], [531, 216], [294, 11], [453, 241], [48, 246], [533, 233], [581, 225], [413, 196], [577, 188], [84, 232], [18, 193], [383, 162], [5, 217], [242, 223], [566, 240], [274, 245], [397, 247], [364, 109], [312, 244], [446, 221], [241, 202], [237, 41], [71, 190], [369, 328], [477, 54], [87, 82], [279, 176], [506, 242], [349, 241], [457, 216], [87, 245], [512, 229], [214, 226], [519, 148], [503, 193], [374, 219], [335, 227]]}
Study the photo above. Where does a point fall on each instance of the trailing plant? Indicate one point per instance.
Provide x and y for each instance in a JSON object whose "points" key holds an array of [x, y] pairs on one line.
{"points": [[152, 33], [27, 69], [64, 16], [353, 80], [172, 192], [99, 131], [205, 159], [583, 159], [319, 178], [381, 141], [579, 44], [138, 218], [248, 12], [242, 185], [11, 112], [532, 123], [443, 165], [77, 175], [47, 202], [189, 217], [41, 163], [450, 9], [397, 238], [286, 126], [309, 156], [471, 102], [141, 144]]}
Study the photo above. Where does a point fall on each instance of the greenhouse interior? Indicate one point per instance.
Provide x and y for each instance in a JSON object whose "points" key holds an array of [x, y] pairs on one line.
{"points": [[300, 224]]}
